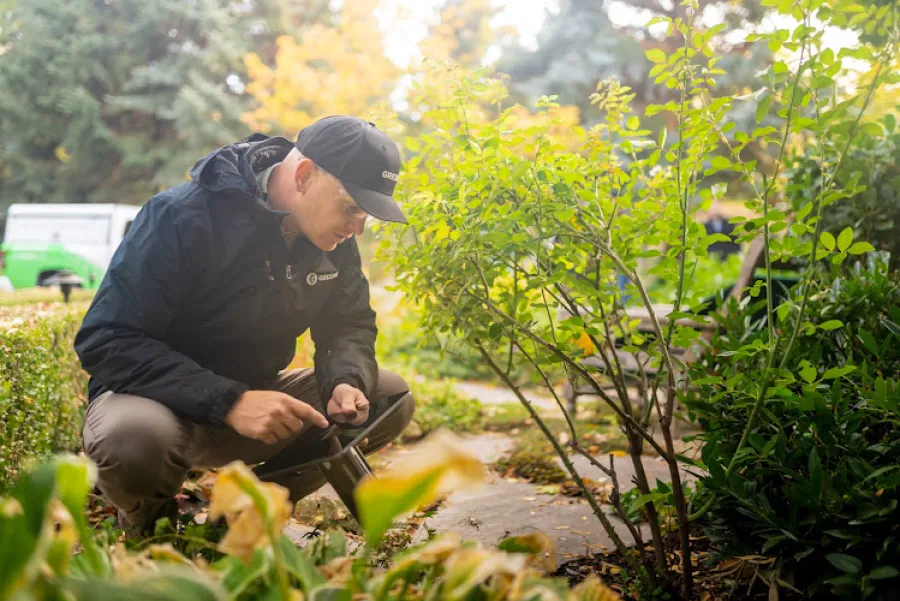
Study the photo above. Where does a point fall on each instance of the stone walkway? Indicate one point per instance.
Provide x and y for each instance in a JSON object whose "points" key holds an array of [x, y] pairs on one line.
{"points": [[507, 507], [498, 395]]}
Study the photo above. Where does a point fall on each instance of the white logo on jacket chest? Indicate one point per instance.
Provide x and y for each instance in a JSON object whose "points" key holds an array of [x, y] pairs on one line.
{"points": [[314, 278]]}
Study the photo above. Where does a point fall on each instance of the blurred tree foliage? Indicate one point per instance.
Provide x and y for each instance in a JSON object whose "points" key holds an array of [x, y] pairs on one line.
{"points": [[334, 65], [463, 33], [581, 46], [107, 101]]}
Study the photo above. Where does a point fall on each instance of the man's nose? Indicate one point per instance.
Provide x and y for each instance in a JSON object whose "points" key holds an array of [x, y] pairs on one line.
{"points": [[358, 225]]}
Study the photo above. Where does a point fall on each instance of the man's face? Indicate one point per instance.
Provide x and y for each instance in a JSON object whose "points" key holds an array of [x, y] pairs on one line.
{"points": [[322, 209]]}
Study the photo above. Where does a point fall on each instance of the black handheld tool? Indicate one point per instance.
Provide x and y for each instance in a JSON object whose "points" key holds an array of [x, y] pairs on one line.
{"points": [[343, 466]]}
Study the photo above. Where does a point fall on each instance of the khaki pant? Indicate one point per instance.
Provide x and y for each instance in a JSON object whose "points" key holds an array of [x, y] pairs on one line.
{"points": [[143, 451]]}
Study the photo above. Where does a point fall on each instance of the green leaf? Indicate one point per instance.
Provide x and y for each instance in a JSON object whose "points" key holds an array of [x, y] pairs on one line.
{"points": [[868, 341], [495, 331], [845, 563], [822, 82], [880, 390], [838, 372], [762, 109], [827, 240], [331, 593], [884, 572], [720, 162], [655, 55], [240, 576], [845, 238], [815, 471], [858, 248], [75, 478], [831, 324], [769, 446], [881, 471], [23, 523], [170, 584], [300, 565], [873, 129], [633, 122], [809, 374], [643, 500], [437, 464]]}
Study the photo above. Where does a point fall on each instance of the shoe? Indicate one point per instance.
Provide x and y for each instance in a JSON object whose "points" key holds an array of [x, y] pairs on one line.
{"points": [[169, 509]]}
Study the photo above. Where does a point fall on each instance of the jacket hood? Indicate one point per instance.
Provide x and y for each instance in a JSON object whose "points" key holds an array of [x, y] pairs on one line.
{"points": [[235, 166]]}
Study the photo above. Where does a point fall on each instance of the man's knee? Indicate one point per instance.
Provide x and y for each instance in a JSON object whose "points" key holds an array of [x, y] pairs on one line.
{"points": [[389, 385], [391, 388], [136, 443]]}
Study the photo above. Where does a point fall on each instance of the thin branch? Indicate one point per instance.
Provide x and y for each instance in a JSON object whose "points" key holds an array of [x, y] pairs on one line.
{"points": [[579, 369], [616, 499], [598, 511]]}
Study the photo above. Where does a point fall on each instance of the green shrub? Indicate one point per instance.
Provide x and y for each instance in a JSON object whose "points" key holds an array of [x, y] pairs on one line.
{"points": [[872, 212], [42, 387], [818, 484]]}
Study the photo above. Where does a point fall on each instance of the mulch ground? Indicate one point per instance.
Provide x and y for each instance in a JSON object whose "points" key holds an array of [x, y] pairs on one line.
{"points": [[736, 579]]}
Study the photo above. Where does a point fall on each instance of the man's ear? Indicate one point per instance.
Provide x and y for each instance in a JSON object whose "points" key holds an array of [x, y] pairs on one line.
{"points": [[303, 174]]}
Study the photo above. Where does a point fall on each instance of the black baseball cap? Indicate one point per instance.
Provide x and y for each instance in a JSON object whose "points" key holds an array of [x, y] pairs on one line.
{"points": [[361, 156]]}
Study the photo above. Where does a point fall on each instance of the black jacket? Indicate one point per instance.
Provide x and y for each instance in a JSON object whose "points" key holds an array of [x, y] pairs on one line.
{"points": [[204, 300]]}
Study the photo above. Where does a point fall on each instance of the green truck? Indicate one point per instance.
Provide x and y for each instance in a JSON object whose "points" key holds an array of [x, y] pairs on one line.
{"points": [[42, 240]]}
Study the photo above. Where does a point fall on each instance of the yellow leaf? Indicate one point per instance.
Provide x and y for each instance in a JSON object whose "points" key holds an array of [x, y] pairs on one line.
{"points": [[10, 508], [539, 547], [433, 553], [468, 568], [256, 511], [65, 535], [61, 154], [585, 343], [437, 465], [592, 589], [167, 553]]}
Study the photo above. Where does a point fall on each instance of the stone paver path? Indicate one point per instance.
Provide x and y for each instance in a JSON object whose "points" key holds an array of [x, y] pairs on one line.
{"points": [[507, 507], [498, 395], [503, 508]]}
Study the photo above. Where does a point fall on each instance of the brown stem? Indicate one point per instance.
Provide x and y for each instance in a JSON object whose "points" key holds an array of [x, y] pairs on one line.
{"points": [[616, 499], [578, 368], [598, 511], [635, 445], [670, 457], [552, 390]]}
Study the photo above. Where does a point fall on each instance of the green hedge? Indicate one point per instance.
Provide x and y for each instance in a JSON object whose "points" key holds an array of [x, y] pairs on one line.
{"points": [[42, 386]]}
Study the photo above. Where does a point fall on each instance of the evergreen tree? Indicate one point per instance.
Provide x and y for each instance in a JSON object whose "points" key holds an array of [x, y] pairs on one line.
{"points": [[112, 101]]}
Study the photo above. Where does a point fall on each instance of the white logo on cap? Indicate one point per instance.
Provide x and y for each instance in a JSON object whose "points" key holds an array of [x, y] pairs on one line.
{"points": [[390, 176]]}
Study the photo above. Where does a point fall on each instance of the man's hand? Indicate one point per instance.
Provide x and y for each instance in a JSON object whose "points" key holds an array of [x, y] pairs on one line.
{"points": [[271, 416], [348, 405]]}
